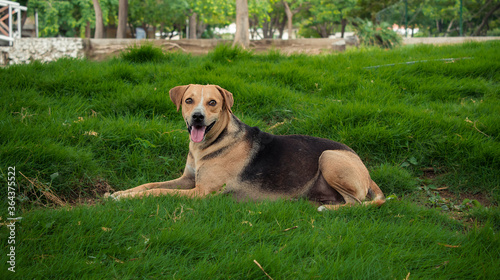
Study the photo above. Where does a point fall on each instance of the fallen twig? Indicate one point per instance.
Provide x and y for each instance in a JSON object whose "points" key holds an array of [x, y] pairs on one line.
{"points": [[474, 125], [290, 228], [258, 264], [449, 246], [46, 191], [419, 61]]}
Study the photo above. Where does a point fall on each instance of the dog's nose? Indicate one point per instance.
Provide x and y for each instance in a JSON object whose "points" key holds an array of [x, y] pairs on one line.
{"points": [[198, 117]]}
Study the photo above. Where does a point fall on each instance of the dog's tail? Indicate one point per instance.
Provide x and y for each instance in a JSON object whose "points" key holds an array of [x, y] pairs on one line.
{"points": [[376, 195]]}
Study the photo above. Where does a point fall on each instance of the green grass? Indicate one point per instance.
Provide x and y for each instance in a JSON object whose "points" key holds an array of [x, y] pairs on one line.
{"points": [[76, 129], [157, 238]]}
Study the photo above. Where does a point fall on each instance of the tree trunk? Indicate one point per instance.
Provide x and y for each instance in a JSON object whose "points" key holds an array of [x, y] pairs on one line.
{"points": [[99, 26], [253, 27], [145, 28], [485, 20], [289, 16], [242, 36], [132, 30], [267, 29], [192, 26], [87, 30], [342, 29], [281, 25], [122, 19], [322, 30], [448, 30], [200, 28]]}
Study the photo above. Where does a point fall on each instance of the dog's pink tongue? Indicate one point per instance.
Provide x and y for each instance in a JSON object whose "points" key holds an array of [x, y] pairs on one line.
{"points": [[197, 133]]}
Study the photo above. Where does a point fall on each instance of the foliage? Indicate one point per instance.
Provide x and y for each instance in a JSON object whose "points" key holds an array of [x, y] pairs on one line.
{"points": [[214, 12], [259, 13], [371, 35], [324, 15], [316, 18], [434, 17], [70, 18]]}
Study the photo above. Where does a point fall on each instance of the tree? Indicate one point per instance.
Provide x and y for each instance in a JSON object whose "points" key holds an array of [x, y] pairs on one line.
{"points": [[122, 19], [346, 9], [176, 21], [486, 17], [242, 36], [277, 21], [291, 8], [322, 17], [192, 25], [257, 13], [368, 9], [99, 26], [268, 15], [204, 13], [63, 18]]}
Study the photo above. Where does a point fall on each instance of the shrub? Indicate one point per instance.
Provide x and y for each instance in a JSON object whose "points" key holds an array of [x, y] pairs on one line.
{"points": [[493, 32], [372, 35]]}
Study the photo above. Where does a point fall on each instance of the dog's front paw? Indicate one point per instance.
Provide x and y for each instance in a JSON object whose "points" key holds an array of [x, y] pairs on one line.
{"points": [[322, 208], [114, 196]]}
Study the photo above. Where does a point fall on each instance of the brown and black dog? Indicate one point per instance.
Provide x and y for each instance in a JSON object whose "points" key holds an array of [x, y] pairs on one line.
{"points": [[228, 156]]}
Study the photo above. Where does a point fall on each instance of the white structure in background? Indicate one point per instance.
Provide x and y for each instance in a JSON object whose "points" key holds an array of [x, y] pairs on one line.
{"points": [[402, 31], [230, 30], [254, 34], [7, 10]]}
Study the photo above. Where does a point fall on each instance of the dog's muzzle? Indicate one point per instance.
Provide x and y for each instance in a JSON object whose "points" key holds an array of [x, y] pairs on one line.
{"points": [[197, 129]]}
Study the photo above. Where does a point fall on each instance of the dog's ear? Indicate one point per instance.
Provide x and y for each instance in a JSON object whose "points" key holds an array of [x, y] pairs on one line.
{"points": [[228, 98], [176, 95]]}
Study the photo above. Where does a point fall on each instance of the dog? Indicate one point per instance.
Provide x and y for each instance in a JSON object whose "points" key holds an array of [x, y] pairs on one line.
{"points": [[227, 156]]}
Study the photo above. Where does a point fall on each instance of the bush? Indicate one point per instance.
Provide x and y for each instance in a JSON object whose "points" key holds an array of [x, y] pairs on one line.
{"points": [[372, 35], [493, 32], [143, 54]]}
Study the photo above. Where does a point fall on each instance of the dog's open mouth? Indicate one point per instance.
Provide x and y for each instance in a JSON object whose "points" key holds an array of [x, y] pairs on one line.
{"points": [[197, 132]]}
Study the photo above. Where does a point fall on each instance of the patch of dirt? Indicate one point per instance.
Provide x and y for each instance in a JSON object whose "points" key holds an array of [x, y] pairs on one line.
{"points": [[85, 192], [90, 191], [458, 198], [429, 172]]}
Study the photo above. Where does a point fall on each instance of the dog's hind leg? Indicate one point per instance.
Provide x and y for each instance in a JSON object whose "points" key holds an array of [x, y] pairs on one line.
{"points": [[345, 172]]}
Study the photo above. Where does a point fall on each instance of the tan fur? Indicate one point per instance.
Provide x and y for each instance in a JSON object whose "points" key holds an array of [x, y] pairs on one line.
{"points": [[215, 165], [345, 172]]}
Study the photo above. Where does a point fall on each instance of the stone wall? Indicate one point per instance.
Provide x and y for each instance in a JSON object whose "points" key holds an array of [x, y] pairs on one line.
{"points": [[446, 40], [99, 49], [25, 50]]}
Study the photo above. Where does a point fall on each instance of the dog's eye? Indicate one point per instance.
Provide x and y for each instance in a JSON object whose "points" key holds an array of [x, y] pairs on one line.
{"points": [[212, 103], [188, 101]]}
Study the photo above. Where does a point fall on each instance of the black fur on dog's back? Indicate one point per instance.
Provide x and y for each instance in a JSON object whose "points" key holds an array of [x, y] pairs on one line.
{"points": [[284, 164]]}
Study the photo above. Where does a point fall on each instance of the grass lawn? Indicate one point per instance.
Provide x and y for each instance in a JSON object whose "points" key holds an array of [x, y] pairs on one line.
{"points": [[428, 132]]}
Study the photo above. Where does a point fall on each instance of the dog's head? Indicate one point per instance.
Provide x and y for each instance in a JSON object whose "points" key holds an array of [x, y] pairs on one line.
{"points": [[203, 108]]}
